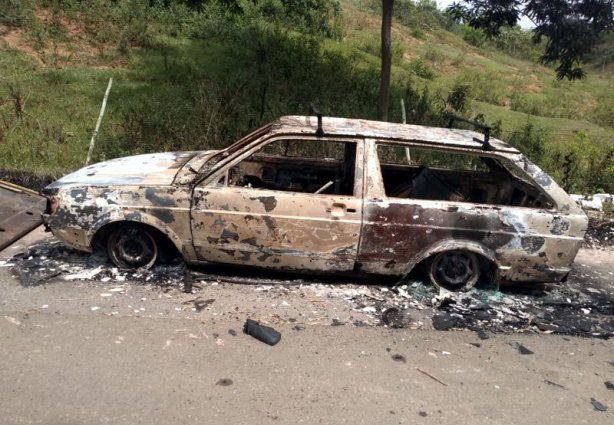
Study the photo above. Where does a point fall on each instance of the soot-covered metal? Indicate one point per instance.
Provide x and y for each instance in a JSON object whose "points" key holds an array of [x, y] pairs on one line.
{"points": [[344, 201]]}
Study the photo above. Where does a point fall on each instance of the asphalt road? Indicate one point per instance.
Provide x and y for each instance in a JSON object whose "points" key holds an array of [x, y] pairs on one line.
{"points": [[78, 352], [90, 369]]}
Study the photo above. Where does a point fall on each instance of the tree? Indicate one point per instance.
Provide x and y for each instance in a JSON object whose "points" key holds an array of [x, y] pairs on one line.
{"points": [[386, 60], [571, 27]]}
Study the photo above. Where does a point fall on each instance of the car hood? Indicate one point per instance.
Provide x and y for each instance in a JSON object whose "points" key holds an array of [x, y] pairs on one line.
{"points": [[148, 169]]}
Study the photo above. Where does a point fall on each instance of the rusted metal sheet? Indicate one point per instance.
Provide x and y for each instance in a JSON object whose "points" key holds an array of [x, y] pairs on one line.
{"points": [[323, 215], [20, 212]]}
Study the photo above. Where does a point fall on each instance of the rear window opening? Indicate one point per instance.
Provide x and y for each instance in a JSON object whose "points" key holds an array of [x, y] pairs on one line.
{"points": [[418, 173]]}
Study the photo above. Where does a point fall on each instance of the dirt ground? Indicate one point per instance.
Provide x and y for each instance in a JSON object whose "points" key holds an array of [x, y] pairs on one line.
{"points": [[112, 349]]}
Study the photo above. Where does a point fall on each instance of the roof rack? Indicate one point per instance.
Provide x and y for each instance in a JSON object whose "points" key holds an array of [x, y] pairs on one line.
{"points": [[314, 111], [478, 126]]}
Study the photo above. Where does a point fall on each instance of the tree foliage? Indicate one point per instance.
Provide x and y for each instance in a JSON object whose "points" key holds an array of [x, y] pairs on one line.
{"points": [[571, 27]]}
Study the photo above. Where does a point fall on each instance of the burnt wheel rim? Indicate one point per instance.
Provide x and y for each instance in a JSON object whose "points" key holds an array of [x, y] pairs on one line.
{"points": [[132, 248], [455, 270]]}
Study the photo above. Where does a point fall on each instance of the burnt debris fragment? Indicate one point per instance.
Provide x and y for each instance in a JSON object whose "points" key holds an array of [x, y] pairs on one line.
{"points": [[399, 358], [263, 333], [445, 322], [199, 303], [396, 318], [523, 350], [600, 407], [581, 306]]}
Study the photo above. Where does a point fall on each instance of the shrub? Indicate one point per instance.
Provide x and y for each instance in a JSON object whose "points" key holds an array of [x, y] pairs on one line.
{"points": [[459, 97], [433, 55], [473, 36], [582, 165], [531, 140], [417, 33], [419, 68], [14, 13]]}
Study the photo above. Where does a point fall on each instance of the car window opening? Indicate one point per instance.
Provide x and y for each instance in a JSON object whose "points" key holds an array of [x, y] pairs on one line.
{"points": [[305, 166], [453, 176]]}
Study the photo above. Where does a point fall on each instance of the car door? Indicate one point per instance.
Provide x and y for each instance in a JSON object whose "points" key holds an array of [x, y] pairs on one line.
{"points": [[269, 216], [409, 210]]}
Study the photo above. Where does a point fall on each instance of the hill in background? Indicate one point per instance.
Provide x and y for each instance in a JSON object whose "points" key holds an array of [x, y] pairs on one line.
{"points": [[188, 78]]}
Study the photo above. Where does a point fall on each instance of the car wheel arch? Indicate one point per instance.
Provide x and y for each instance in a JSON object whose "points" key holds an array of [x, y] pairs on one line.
{"points": [[483, 252], [103, 227]]}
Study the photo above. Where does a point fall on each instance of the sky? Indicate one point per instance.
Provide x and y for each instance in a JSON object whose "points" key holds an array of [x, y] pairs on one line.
{"points": [[525, 23]]}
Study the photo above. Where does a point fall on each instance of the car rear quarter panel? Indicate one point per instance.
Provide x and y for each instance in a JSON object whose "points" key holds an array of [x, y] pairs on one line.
{"points": [[526, 244]]}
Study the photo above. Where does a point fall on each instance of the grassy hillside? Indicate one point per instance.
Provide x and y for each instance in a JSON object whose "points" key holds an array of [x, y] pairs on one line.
{"points": [[186, 79]]}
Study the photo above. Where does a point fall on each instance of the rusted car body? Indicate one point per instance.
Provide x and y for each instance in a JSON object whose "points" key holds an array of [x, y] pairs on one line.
{"points": [[350, 197]]}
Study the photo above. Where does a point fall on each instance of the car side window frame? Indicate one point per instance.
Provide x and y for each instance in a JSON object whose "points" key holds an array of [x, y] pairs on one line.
{"points": [[222, 171], [380, 191]]}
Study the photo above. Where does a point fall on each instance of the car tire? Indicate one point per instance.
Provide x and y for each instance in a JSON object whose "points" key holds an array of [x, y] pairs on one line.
{"points": [[132, 247], [455, 270]]}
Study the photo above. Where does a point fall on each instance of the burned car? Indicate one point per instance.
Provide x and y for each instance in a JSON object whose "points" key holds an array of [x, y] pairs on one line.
{"points": [[330, 195]]}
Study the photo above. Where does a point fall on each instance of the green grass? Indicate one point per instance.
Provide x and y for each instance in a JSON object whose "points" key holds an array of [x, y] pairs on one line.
{"points": [[60, 111], [167, 94]]}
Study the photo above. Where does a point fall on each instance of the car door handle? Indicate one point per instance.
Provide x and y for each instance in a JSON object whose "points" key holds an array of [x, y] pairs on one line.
{"points": [[338, 210]]}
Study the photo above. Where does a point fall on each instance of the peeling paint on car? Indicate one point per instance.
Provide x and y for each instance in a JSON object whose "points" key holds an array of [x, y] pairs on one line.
{"points": [[187, 197]]}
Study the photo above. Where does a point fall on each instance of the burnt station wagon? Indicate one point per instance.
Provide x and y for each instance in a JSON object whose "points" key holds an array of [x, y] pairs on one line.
{"points": [[330, 195]]}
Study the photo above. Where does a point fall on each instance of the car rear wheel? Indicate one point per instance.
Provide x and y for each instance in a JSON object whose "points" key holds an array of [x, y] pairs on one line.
{"points": [[455, 270], [131, 247]]}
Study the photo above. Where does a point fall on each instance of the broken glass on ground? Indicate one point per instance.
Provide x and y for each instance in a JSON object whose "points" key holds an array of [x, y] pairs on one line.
{"points": [[50, 260], [581, 306]]}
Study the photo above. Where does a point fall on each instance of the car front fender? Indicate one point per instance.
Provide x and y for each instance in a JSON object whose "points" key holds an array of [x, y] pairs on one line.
{"points": [[124, 216]]}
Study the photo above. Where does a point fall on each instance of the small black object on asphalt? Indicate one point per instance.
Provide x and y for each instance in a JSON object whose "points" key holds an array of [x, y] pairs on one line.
{"points": [[599, 406], [609, 385], [399, 358], [188, 282], [523, 350], [232, 332], [263, 333], [224, 382]]}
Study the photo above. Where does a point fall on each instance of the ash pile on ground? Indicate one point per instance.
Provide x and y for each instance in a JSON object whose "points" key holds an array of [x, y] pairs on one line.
{"points": [[52, 259], [600, 232], [577, 307]]}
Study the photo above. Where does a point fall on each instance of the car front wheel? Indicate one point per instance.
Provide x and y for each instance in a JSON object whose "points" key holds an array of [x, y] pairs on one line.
{"points": [[131, 247]]}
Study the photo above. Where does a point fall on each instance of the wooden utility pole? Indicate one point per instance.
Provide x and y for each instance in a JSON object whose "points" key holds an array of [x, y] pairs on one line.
{"points": [[386, 53]]}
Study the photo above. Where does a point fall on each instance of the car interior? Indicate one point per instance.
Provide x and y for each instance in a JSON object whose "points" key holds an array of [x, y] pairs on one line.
{"points": [[450, 176], [307, 166], [327, 167]]}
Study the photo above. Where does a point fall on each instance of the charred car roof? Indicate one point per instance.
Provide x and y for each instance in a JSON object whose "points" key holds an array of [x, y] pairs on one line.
{"points": [[346, 127]]}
